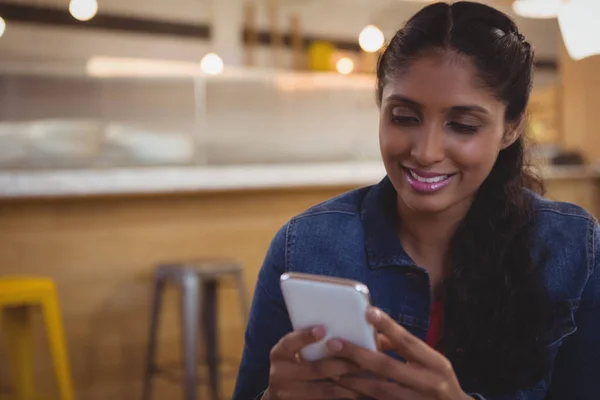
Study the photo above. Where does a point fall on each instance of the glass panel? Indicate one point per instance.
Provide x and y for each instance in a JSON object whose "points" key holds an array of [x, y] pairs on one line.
{"points": [[144, 113]]}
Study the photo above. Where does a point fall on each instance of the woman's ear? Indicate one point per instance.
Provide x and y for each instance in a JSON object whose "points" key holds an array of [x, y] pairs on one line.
{"points": [[514, 131]]}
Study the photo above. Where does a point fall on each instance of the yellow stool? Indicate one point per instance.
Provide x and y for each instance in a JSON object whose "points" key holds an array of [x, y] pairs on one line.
{"points": [[18, 297]]}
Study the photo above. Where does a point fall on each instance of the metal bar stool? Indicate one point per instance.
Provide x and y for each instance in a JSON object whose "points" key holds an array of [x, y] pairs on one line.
{"points": [[198, 282]]}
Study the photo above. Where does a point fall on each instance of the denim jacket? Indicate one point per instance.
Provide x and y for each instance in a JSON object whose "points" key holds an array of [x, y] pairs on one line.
{"points": [[353, 236]]}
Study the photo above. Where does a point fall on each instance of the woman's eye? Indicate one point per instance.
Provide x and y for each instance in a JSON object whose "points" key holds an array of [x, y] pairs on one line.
{"points": [[405, 120], [463, 128]]}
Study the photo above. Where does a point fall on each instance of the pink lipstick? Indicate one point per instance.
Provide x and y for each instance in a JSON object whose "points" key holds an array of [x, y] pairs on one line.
{"points": [[426, 182]]}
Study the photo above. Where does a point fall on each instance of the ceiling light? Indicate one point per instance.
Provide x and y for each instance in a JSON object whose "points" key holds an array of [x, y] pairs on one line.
{"points": [[371, 39], [578, 20], [344, 66], [211, 64], [83, 10], [536, 8], [2, 26]]}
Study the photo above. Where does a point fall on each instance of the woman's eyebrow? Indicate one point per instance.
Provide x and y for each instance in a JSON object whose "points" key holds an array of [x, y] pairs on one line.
{"points": [[457, 109], [469, 108], [403, 99]]}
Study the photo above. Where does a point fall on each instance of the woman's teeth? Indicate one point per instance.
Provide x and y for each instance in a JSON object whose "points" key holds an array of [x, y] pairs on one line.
{"points": [[428, 180]]}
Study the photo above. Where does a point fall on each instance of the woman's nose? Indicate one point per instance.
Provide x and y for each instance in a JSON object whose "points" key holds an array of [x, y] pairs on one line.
{"points": [[428, 147]]}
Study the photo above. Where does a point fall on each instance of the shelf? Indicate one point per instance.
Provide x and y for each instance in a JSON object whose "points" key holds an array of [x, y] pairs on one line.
{"points": [[139, 68]]}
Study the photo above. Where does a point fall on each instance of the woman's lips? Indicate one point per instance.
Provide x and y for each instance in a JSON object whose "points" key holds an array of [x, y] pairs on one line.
{"points": [[427, 182]]}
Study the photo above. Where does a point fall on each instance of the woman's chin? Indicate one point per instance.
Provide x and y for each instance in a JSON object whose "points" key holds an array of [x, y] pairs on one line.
{"points": [[434, 203], [426, 205]]}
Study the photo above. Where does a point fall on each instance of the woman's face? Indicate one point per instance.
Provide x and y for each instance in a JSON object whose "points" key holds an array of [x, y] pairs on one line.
{"points": [[440, 132]]}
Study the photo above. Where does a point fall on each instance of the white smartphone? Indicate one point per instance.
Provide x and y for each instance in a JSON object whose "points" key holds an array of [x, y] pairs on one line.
{"points": [[340, 305]]}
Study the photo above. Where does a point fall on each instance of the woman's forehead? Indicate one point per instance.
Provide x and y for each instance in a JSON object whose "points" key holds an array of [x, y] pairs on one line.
{"points": [[441, 78]]}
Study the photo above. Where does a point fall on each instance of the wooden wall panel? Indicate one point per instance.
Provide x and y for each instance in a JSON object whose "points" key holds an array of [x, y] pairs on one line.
{"points": [[580, 102], [584, 192]]}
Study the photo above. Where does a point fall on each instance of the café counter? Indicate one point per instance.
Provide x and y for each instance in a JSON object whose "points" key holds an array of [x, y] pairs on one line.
{"points": [[100, 233]]}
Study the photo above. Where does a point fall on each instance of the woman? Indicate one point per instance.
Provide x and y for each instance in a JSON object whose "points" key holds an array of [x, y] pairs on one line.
{"points": [[483, 288]]}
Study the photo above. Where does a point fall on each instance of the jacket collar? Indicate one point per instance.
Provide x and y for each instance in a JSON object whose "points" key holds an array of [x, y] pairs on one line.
{"points": [[379, 216]]}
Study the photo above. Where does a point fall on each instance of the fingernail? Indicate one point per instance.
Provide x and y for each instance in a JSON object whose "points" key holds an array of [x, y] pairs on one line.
{"points": [[374, 315], [334, 345], [318, 332]]}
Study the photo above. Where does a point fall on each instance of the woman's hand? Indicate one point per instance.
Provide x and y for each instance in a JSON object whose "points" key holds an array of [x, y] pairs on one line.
{"points": [[291, 378], [427, 374]]}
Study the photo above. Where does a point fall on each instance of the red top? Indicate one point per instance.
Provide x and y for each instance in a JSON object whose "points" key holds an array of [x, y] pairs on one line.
{"points": [[435, 325]]}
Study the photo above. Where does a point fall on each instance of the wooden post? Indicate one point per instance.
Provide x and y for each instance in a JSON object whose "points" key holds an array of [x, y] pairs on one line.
{"points": [[297, 45], [276, 37], [250, 30]]}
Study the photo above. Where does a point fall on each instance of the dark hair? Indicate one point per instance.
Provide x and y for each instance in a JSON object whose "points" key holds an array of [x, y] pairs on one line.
{"points": [[495, 304]]}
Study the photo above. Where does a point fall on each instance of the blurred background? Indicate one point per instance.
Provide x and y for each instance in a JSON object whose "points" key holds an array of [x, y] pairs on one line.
{"points": [[140, 132]]}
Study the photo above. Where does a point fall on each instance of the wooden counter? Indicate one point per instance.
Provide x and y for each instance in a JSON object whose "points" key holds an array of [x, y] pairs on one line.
{"points": [[584, 191], [102, 251]]}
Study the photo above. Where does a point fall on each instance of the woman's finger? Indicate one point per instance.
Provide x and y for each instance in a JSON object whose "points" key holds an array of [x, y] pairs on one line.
{"points": [[320, 390], [410, 347], [379, 389], [383, 343], [311, 371], [293, 342], [411, 376]]}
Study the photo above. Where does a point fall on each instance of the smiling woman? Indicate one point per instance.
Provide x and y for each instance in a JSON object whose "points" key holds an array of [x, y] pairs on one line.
{"points": [[482, 287]]}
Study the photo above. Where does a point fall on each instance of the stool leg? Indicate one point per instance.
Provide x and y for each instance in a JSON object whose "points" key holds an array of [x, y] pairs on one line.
{"points": [[150, 368], [190, 299], [19, 335], [58, 347], [209, 317], [245, 307]]}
